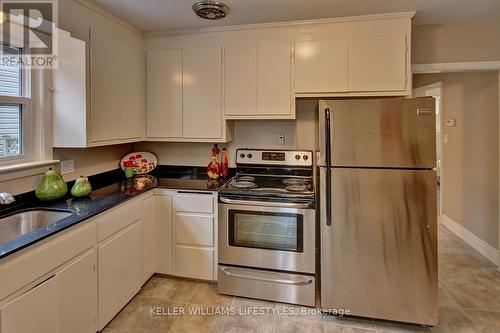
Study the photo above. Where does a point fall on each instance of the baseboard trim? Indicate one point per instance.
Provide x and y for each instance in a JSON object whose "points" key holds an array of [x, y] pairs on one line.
{"points": [[477, 243]]}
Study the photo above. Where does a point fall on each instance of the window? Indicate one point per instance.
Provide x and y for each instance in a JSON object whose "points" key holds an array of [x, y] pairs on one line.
{"points": [[14, 113]]}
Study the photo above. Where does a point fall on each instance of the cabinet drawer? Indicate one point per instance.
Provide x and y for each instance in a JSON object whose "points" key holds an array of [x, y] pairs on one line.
{"points": [[196, 203], [194, 229], [117, 219], [194, 262]]}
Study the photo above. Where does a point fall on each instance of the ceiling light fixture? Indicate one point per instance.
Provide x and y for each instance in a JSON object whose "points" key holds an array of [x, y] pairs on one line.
{"points": [[211, 10]]}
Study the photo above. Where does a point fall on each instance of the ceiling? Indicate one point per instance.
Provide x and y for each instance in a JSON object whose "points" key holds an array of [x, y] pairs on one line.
{"points": [[162, 15]]}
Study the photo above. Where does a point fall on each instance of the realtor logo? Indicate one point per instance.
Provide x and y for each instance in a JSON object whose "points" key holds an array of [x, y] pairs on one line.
{"points": [[29, 33]]}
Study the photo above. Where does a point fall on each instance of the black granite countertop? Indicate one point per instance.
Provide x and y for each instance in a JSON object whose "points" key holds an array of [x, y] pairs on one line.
{"points": [[109, 189]]}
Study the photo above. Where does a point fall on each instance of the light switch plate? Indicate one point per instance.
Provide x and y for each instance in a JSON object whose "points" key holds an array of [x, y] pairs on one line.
{"points": [[67, 166], [451, 122], [280, 139]]}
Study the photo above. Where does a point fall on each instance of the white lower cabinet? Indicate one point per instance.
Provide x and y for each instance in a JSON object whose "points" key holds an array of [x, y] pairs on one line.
{"points": [[78, 294], [35, 311], [79, 280], [148, 235], [194, 262], [119, 271], [195, 231], [163, 237]]}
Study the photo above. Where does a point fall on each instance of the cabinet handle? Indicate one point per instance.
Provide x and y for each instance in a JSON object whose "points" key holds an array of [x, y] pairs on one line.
{"points": [[194, 192], [42, 282], [423, 112]]}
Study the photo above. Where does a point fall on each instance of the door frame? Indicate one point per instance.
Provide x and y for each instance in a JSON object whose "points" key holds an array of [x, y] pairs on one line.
{"points": [[423, 91], [468, 66]]}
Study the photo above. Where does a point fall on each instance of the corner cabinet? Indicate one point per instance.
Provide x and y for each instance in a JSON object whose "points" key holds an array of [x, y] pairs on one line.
{"points": [[98, 91], [257, 81], [184, 96]]}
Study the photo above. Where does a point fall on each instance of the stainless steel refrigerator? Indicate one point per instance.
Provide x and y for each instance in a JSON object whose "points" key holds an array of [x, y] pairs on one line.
{"points": [[378, 208]]}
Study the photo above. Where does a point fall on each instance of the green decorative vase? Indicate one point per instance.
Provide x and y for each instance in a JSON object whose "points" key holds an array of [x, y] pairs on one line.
{"points": [[81, 188], [51, 187]]}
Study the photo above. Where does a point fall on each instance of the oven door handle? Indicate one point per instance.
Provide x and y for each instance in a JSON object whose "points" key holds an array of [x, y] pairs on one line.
{"points": [[296, 282], [265, 203]]}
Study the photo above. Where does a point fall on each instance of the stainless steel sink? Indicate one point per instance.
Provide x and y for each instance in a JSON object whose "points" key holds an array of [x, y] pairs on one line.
{"points": [[14, 226]]}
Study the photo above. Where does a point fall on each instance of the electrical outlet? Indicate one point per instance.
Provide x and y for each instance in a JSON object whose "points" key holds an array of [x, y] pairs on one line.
{"points": [[280, 139], [67, 166]]}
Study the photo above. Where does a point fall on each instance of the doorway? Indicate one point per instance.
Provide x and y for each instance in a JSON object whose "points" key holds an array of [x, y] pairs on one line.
{"points": [[435, 90]]}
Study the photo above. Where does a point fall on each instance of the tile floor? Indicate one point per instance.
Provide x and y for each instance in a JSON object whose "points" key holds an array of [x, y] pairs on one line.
{"points": [[469, 301]]}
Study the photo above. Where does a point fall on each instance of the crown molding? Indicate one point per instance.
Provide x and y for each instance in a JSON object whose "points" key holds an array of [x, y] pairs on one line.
{"points": [[450, 67], [99, 10], [278, 24]]}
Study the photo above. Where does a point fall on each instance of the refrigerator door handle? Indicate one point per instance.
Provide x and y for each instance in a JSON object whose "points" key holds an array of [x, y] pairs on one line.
{"points": [[328, 153], [328, 143]]}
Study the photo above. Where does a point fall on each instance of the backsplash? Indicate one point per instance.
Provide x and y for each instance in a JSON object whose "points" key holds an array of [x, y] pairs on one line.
{"points": [[299, 134]]}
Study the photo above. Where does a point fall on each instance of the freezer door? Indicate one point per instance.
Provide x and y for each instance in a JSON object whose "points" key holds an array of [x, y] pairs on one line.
{"points": [[379, 256], [396, 132]]}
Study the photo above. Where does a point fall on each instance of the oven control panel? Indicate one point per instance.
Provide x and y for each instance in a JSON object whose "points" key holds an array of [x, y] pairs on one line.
{"points": [[274, 157]]}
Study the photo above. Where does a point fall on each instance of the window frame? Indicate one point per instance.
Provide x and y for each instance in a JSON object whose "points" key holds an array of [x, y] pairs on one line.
{"points": [[27, 123]]}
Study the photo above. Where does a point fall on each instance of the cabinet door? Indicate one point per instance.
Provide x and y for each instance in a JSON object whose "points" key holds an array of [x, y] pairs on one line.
{"points": [[320, 66], [35, 311], [164, 239], [273, 79], [69, 102], [149, 217], [78, 294], [119, 271], [377, 63], [240, 80], [202, 92], [164, 93], [105, 87], [132, 92]]}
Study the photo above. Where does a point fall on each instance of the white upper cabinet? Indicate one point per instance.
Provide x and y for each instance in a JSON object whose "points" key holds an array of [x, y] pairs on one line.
{"points": [[320, 66], [273, 78], [117, 102], [361, 65], [164, 96], [98, 91], [257, 81], [105, 115], [184, 98], [377, 63], [69, 93], [202, 92], [132, 91], [240, 84]]}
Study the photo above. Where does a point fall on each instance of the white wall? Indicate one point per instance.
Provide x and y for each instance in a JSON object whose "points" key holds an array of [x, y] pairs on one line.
{"points": [[299, 134], [470, 158]]}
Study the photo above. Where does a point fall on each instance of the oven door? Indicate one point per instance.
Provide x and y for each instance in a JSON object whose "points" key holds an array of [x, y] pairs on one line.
{"points": [[270, 237]]}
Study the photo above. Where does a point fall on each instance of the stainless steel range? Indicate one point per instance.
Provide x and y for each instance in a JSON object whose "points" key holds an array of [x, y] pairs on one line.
{"points": [[267, 227]]}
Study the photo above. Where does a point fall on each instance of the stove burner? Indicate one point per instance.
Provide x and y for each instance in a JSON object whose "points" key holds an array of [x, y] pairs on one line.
{"points": [[294, 181], [296, 188], [246, 179], [243, 185]]}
